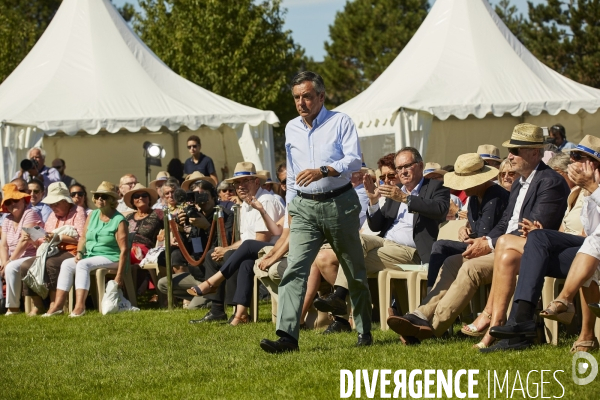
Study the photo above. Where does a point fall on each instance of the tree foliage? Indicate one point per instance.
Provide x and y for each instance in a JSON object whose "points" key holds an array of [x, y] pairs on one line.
{"points": [[237, 49], [564, 35], [365, 38], [22, 22]]}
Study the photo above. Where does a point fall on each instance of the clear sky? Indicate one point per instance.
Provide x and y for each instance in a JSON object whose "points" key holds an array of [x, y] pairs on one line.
{"points": [[309, 20]]}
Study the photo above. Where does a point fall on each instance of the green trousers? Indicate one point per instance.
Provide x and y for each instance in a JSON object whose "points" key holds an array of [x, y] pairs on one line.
{"points": [[337, 221]]}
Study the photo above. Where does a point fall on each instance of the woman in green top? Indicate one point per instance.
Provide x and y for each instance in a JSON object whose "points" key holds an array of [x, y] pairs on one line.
{"points": [[103, 244]]}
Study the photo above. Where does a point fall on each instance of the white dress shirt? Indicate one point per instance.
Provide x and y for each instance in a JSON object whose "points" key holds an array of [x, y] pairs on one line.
{"points": [[251, 221], [401, 231]]}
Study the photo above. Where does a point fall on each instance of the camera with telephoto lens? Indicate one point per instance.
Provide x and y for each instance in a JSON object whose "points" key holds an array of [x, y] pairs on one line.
{"points": [[193, 199], [28, 164]]}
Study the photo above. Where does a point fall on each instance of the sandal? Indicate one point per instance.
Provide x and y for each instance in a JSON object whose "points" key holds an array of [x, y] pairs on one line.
{"points": [[244, 319], [196, 291], [554, 313], [586, 346], [482, 345], [471, 330]]}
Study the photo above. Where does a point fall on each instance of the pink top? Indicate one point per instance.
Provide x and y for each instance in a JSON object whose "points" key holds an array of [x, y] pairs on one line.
{"points": [[12, 231], [75, 218]]}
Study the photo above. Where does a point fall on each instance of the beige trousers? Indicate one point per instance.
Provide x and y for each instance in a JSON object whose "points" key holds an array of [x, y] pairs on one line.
{"points": [[381, 254], [457, 282]]}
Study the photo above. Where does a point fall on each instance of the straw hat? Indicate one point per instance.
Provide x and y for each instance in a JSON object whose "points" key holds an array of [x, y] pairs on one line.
{"points": [[433, 168], [469, 171], [162, 176], [244, 170], [107, 188], [589, 145], [265, 177], [137, 189], [195, 177], [526, 136], [57, 191], [10, 192], [489, 152]]}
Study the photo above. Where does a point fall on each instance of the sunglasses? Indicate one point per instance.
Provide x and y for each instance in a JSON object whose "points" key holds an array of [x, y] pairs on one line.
{"points": [[577, 156], [192, 146], [514, 151], [80, 194], [130, 184], [34, 191], [101, 196], [10, 202], [389, 177], [228, 190], [509, 174], [142, 195]]}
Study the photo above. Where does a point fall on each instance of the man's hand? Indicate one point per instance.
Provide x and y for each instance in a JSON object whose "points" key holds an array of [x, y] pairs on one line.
{"points": [[266, 262], [218, 253], [585, 176], [308, 176], [528, 226], [372, 190], [463, 233], [477, 248], [393, 192], [452, 210], [463, 214], [179, 217]]}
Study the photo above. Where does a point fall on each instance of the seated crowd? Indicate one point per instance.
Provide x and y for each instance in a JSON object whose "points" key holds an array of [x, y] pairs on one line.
{"points": [[522, 210]]}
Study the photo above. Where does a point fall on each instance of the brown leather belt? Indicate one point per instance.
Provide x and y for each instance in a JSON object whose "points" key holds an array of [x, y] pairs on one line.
{"points": [[325, 195]]}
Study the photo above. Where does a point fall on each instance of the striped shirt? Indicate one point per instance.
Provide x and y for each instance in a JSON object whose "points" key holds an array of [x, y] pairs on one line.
{"points": [[12, 232]]}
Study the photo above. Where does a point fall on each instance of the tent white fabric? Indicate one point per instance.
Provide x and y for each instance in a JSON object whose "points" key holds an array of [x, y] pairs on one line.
{"points": [[463, 61], [90, 72]]}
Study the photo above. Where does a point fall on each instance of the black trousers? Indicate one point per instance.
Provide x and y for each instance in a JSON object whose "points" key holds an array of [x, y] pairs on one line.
{"points": [[224, 293], [441, 250], [547, 253], [242, 261]]}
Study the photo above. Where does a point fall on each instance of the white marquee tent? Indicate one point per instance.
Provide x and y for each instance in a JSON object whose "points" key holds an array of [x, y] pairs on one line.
{"points": [[464, 80], [91, 74]]}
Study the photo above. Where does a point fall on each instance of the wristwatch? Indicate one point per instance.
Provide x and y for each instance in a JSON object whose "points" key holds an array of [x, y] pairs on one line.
{"points": [[324, 170]]}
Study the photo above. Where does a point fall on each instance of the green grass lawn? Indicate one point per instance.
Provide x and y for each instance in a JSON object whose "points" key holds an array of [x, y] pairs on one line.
{"points": [[158, 354]]}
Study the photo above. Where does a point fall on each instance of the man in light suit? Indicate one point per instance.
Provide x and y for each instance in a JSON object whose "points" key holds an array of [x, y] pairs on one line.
{"points": [[540, 195]]}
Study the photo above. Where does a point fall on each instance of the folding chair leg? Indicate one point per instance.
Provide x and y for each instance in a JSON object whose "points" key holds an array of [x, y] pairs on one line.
{"points": [[254, 302], [383, 300]]}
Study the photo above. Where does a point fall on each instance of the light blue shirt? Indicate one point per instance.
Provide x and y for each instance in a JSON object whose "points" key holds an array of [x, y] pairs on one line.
{"points": [[364, 202], [332, 141], [43, 210], [567, 146]]}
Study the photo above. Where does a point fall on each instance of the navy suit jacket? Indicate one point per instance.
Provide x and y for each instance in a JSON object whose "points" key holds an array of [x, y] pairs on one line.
{"points": [[545, 201], [430, 208]]}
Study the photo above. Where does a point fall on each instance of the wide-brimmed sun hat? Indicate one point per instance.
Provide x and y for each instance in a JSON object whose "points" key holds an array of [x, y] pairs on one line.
{"points": [[11, 192], [433, 168], [526, 136], [589, 145], [107, 188], [243, 170], [196, 177], [162, 176], [469, 171], [265, 177], [489, 152], [57, 191], [138, 188]]}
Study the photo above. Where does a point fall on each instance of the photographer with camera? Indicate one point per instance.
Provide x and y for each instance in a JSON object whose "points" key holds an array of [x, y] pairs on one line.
{"points": [[196, 199], [34, 167]]}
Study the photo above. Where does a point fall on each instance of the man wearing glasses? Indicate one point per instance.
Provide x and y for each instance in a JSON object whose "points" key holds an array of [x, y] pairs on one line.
{"points": [[198, 161], [539, 195], [127, 182], [60, 165]]}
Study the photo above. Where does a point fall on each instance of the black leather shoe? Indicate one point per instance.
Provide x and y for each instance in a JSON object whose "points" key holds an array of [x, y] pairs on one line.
{"points": [[411, 325], [525, 329], [364, 339], [332, 304], [210, 317], [279, 346], [338, 326], [520, 343]]}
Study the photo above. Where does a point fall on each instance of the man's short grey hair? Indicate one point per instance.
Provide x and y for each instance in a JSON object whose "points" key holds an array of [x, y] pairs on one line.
{"points": [[224, 186], [171, 182], [416, 155], [310, 76], [560, 162], [42, 151]]}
